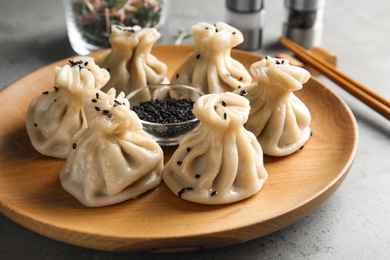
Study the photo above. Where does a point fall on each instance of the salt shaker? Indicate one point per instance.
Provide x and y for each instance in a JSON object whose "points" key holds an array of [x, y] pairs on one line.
{"points": [[248, 16], [304, 21]]}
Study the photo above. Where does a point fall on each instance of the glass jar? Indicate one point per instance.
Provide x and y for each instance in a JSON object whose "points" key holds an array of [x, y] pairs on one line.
{"points": [[89, 22]]}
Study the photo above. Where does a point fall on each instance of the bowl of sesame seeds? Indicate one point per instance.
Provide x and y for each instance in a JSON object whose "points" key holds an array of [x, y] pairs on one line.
{"points": [[165, 111]]}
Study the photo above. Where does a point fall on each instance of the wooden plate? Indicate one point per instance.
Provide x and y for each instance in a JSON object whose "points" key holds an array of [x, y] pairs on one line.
{"points": [[31, 193]]}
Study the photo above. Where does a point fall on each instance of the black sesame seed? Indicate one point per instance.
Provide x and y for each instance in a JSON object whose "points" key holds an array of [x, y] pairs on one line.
{"points": [[86, 63], [94, 100], [223, 103], [106, 112], [197, 176], [213, 193], [240, 79], [239, 87], [215, 107], [179, 162], [311, 132], [56, 88], [54, 100], [277, 62], [206, 28], [97, 95], [243, 93], [97, 108], [282, 61], [188, 149], [109, 115], [233, 32], [301, 147], [189, 188], [224, 116], [35, 125], [180, 193], [45, 92], [117, 103], [197, 56], [74, 146]]}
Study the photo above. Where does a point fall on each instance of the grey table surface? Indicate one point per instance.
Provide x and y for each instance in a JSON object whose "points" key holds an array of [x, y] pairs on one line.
{"points": [[352, 224]]}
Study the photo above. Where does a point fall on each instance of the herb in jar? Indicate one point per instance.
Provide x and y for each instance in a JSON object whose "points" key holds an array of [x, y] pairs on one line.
{"points": [[95, 17]]}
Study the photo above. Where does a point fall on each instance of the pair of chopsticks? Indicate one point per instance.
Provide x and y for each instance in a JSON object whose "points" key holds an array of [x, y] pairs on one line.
{"points": [[361, 92]]}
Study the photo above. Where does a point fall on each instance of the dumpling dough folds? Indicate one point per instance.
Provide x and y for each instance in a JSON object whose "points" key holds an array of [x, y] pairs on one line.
{"points": [[55, 116], [210, 68], [130, 61], [220, 161], [279, 119], [113, 159]]}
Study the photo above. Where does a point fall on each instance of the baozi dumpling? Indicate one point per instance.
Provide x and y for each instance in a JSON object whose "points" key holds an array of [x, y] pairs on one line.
{"points": [[210, 68], [130, 61], [278, 118], [55, 116], [113, 159], [220, 161]]}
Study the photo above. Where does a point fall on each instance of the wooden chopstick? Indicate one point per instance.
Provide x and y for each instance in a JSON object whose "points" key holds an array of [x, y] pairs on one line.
{"points": [[361, 92]]}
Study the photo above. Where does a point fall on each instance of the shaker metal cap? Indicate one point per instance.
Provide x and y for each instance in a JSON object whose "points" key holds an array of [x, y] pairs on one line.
{"points": [[245, 6], [305, 5]]}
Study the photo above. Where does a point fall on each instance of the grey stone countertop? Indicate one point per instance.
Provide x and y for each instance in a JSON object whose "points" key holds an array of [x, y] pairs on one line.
{"points": [[352, 224]]}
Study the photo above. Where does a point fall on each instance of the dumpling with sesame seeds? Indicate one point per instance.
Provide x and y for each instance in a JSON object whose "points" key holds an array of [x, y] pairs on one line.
{"points": [[279, 119], [113, 159], [130, 61], [210, 67], [55, 116], [220, 161]]}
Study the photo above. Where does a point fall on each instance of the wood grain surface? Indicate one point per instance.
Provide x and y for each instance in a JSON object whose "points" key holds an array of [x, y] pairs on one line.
{"points": [[158, 221]]}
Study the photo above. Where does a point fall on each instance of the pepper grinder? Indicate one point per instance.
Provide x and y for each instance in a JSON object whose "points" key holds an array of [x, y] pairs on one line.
{"points": [[303, 23], [248, 16]]}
